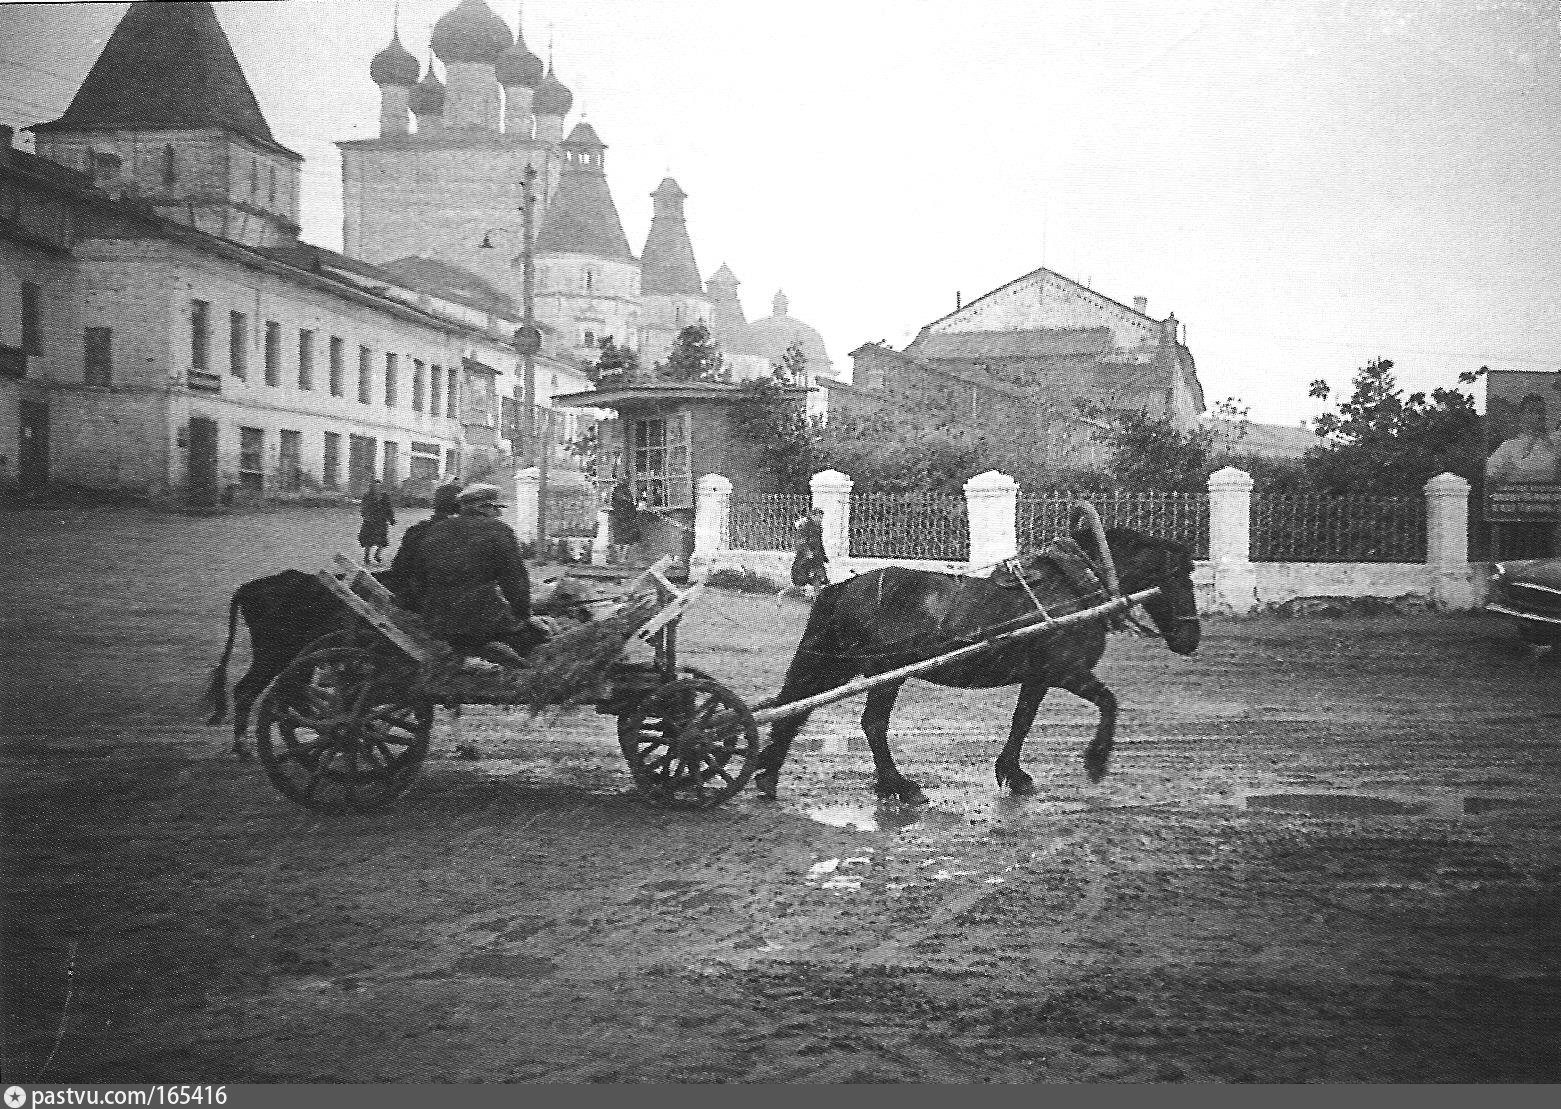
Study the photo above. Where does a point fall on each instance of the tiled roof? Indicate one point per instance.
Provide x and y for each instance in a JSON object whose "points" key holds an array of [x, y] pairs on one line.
{"points": [[166, 66]]}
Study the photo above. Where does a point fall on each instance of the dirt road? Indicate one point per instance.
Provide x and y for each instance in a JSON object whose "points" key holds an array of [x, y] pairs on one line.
{"points": [[1328, 851]]}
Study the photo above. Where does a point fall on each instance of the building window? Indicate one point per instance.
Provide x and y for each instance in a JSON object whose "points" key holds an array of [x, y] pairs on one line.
{"points": [[419, 384], [271, 189], [338, 385], [99, 356], [435, 389], [305, 358], [32, 318], [200, 335], [589, 340], [391, 369], [392, 467], [590, 280], [330, 474], [254, 178], [365, 376], [453, 395], [170, 167], [290, 461], [251, 458], [238, 344], [659, 462], [273, 353]]}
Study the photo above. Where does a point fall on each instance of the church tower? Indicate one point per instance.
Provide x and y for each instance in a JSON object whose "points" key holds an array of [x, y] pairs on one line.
{"points": [[167, 110], [673, 295], [440, 190], [588, 281]]}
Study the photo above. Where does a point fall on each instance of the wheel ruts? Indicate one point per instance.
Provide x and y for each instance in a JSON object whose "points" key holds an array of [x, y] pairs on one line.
{"points": [[340, 731], [691, 743]]}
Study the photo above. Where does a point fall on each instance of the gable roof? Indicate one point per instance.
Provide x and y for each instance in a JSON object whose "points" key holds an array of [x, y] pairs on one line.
{"points": [[422, 275], [167, 65], [1039, 343]]}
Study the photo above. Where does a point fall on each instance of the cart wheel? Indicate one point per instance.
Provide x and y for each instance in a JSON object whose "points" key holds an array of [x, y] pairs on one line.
{"points": [[691, 743], [339, 730]]}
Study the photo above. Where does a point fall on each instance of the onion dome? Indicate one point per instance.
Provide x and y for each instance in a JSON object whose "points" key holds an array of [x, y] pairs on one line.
{"points": [[552, 98], [470, 33], [518, 66], [428, 97], [394, 65]]}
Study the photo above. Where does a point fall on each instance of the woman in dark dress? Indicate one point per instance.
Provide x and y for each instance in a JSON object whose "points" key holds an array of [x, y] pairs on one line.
{"points": [[809, 570], [378, 515]]}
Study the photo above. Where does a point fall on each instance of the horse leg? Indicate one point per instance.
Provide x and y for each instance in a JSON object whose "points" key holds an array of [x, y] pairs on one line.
{"points": [[812, 671], [890, 783], [1008, 772], [1084, 684], [245, 692]]}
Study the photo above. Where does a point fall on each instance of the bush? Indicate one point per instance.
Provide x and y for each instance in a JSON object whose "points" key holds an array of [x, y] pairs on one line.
{"points": [[741, 581]]}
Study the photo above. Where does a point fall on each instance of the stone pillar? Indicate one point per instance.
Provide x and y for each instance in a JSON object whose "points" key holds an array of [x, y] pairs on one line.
{"points": [[602, 540], [712, 524], [528, 499], [1230, 540], [832, 493], [1447, 542], [991, 501]]}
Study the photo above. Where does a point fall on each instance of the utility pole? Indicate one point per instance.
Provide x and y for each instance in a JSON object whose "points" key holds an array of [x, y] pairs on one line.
{"points": [[536, 452]]}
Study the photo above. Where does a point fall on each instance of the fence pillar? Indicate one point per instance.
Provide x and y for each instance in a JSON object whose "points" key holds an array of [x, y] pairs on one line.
{"points": [[602, 540], [832, 493], [991, 502], [1230, 540], [712, 524], [1447, 542], [528, 501]]}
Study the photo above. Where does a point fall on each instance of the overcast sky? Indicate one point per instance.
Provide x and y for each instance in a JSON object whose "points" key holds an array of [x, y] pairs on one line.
{"points": [[1307, 184]]}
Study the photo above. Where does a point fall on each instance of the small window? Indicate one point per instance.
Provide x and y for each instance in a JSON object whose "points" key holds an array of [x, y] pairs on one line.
{"points": [[200, 335], [365, 376], [392, 467], [419, 384], [271, 189], [289, 460], [170, 167], [99, 356], [251, 458], [273, 353], [254, 177], [335, 354], [590, 280], [32, 318], [391, 369], [238, 344], [589, 340], [436, 390], [305, 358], [452, 395]]}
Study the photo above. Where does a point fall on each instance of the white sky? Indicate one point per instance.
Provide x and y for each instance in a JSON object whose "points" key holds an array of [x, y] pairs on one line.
{"points": [[1307, 183]]}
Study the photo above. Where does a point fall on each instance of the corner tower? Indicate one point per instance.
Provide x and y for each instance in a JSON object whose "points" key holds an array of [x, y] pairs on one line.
{"points": [[669, 276], [169, 98]]}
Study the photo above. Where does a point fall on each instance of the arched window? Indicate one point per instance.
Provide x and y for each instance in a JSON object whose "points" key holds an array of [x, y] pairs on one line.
{"points": [[170, 167]]}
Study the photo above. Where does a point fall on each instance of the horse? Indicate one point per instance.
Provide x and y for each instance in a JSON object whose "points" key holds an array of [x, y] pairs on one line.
{"points": [[879, 621]]}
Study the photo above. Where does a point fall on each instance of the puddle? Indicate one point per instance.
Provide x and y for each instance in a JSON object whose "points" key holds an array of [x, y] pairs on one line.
{"points": [[826, 874], [1333, 804], [891, 817]]}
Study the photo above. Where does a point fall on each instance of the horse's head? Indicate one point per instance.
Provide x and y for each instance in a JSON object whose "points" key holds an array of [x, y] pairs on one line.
{"points": [[1142, 562]]}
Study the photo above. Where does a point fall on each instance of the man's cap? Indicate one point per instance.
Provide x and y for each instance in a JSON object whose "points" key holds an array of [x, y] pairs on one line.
{"points": [[481, 493]]}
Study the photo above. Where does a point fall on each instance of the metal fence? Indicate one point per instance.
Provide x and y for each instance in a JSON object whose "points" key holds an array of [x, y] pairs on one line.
{"points": [[909, 525], [1311, 528], [1182, 517], [571, 511], [763, 522]]}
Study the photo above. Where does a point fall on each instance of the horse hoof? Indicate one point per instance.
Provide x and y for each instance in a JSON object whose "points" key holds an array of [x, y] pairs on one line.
{"points": [[1021, 787], [765, 785]]}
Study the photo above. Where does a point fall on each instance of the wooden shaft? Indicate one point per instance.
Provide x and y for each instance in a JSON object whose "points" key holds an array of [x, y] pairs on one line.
{"points": [[861, 685]]}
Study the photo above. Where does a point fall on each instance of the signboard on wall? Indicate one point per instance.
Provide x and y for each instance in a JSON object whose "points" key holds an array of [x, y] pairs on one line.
{"points": [[1523, 447]]}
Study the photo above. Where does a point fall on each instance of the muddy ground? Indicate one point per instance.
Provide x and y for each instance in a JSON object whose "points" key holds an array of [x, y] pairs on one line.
{"points": [[1328, 851]]}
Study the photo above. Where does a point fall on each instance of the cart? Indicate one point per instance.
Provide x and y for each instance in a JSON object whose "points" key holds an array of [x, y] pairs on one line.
{"points": [[346, 725]]}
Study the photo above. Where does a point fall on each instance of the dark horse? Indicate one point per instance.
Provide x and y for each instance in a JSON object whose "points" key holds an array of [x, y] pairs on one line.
{"points": [[892, 617]]}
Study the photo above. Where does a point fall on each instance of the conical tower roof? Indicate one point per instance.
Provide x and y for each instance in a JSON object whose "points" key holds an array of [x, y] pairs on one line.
{"points": [[667, 265], [728, 322], [165, 66], [582, 218]]}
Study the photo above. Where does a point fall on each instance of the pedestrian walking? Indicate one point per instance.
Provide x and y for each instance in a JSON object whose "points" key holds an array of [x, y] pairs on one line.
{"points": [[809, 567], [378, 514]]}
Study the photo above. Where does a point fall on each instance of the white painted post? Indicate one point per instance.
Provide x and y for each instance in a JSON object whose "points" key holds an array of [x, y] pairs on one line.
{"points": [[832, 493], [1230, 540], [600, 542], [528, 499], [991, 502], [712, 524], [1447, 542]]}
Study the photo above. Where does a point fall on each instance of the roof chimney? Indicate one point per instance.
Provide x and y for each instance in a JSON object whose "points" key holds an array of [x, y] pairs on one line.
{"points": [[1141, 305]]}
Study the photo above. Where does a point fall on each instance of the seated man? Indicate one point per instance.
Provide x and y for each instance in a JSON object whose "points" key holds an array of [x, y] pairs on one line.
{"points": [[470, 582]]}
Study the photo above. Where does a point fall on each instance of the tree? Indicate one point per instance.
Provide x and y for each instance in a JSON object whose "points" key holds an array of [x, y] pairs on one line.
{"points": [[616, 367], [1151, 453], [1382, 442], [694, 357]]}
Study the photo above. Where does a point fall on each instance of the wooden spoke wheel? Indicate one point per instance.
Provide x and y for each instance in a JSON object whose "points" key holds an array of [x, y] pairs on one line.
{"points": [[691, 743], [340, 729]]}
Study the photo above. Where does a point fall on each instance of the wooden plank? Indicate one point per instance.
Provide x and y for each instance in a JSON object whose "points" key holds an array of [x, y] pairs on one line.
{"points": [[374, 617], [863, 685], [671, 612], [362, 579]]}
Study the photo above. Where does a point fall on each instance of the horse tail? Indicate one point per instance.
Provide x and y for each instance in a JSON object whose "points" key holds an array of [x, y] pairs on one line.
{"points": [[217, 689]]}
